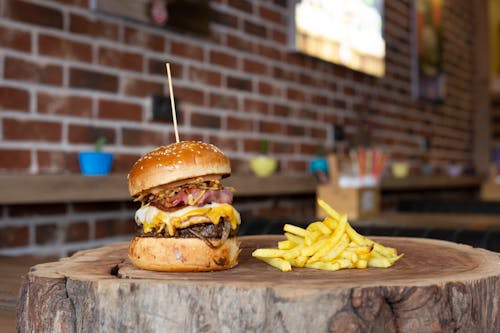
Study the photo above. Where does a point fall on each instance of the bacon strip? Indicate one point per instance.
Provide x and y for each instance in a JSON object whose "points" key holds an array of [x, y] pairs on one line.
{"points": [[194, 196]]}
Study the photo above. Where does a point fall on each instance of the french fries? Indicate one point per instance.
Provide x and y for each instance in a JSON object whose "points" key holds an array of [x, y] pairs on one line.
{"points": [[331, 244]]}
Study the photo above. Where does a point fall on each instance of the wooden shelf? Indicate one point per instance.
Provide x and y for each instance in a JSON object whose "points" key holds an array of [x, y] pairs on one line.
{"points": [[429, 183], [34, 189], [446, 221]]}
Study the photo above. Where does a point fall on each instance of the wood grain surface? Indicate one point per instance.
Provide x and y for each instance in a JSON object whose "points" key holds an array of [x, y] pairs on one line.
{"points": [[437, 286]]}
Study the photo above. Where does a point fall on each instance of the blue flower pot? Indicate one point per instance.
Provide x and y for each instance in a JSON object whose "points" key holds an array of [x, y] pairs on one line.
{"points": [[318, 164], [95, 163]]}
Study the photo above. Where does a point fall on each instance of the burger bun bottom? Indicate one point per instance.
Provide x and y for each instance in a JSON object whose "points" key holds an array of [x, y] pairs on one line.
{"points": [[182, 254]]}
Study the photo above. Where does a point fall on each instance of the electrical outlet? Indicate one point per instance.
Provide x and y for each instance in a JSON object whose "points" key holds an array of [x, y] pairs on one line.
{"points": [[338, 133], [162, 109]]}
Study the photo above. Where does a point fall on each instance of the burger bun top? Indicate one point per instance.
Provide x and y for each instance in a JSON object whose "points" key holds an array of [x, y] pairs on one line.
{"points": [[177, 162]]}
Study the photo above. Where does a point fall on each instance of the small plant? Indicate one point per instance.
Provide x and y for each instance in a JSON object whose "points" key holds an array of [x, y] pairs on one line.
{"points": [[264, 147], [100, 142]]}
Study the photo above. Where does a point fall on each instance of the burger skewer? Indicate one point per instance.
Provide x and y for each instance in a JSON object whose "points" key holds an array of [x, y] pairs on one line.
{"points": [[172, 103]]}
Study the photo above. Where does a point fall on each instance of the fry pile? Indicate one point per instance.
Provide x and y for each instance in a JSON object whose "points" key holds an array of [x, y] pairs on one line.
{"points": [[331, 244]]}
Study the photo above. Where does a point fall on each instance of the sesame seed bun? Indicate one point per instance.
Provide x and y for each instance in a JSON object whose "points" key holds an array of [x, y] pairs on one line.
{"points": [[177, 162]]}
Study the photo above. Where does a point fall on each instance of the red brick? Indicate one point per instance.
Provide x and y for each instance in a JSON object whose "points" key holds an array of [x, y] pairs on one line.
{"points": [[13, 159], [93, 27], [280, 148], [238, 43], [77, 232], [78, 3], [191, 137], [255, 29], [86, 79], [265, 88], [319, 100], [114, 227], [318, 133], [270, 52], [18, 69], [252, 145], [57, 161], [14, 99], [240, 124], [279, 36], [14, 237], [229, 102], [109, 109], [224, 144], [144, 39], [90, 134], [189, 95], [95, 207], [186, 50], [41, 131], [308, 80], [295, 95], [308, 149], [33, 14], [281, 110], [70, 105], [225, 19], [205, 120], [46, 234], [271, 15], [223, 59], [15, 39], [142, 88], [251, 105], [339, 104], [124, 162], [120, 59], [64, 48], [239, 83], [295, 130], [143, 137], [284, 74], [243, 5], [157, 66], [271, 127], [256, 67], [204, 76]]}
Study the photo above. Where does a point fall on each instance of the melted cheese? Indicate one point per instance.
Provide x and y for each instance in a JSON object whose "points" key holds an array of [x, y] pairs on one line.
{"points": [[153, 218]]}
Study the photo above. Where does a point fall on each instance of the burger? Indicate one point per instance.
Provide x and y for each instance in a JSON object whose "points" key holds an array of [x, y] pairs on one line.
{"points": [[186, 220]]}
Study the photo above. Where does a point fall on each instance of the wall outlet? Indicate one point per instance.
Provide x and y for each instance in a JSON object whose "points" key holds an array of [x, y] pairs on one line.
{"points": [[338, 133], [162, 109]]}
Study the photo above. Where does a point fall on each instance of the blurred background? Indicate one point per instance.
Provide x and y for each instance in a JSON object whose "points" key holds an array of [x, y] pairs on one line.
{"points": [[407, 92]]}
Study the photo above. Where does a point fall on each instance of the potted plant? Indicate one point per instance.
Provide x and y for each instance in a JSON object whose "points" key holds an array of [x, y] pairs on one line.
{"points": [[263, 165], [319, 165], [97, 162]]}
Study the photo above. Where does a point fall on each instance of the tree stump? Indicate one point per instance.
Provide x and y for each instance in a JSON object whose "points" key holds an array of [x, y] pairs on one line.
{"points": [[437, 286]]}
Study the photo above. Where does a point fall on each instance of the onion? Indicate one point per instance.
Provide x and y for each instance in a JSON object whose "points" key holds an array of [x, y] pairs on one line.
{"points": [[226, 229], [210, 245]]}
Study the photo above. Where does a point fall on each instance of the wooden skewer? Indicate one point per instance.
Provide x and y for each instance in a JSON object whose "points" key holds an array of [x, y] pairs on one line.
{"points": [[174, 116]]}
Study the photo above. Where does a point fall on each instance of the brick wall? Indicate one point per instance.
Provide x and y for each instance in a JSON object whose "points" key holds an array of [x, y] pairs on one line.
{"points": [[69, 75]]}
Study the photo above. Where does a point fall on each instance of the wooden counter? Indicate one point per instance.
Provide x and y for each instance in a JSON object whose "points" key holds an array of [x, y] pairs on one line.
{"points": [[33, 189]]}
